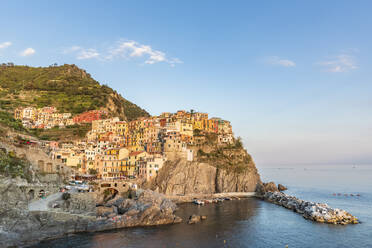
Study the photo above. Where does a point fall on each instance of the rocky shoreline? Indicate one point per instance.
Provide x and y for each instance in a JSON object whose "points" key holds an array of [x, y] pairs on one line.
{"points": [[21, 226], [148, 208], [319, 212]]}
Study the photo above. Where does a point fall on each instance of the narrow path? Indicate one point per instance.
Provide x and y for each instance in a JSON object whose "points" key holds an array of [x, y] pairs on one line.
{"points": [[43, 204]]}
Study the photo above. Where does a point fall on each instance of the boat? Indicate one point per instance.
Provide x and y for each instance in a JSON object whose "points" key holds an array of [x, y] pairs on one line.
{"points": [[199, 202]]}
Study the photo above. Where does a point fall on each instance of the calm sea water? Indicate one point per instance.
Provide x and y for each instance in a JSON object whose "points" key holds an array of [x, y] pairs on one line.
{"points": [[254, 223]]}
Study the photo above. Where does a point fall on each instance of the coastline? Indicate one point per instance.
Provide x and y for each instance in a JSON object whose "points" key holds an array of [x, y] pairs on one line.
{"points": [[62, 224]]}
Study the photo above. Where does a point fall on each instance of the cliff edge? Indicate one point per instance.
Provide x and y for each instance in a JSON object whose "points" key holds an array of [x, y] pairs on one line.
{"points": [[215, 169]]}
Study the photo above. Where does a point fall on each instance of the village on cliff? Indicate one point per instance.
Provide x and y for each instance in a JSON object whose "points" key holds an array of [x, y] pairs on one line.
{"points": [[115, 149]]}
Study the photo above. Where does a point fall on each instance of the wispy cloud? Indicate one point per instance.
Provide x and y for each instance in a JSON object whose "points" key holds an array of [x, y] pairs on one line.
{"points": [[88, 54], [82, 53], [132, 49], [275, 60], [127, 49], [340, 63], [5, 44], [28, 52]]}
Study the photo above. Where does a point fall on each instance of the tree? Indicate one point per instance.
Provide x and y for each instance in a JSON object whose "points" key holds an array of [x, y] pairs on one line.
{"points": [[92, 171], [238, 143]]}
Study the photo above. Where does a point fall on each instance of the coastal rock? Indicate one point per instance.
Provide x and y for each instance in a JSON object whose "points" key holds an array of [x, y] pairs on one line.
{"points": [[104, 211], [194, 219], [21, 227], [182, 177], [149, 208], [270, 187], [281, 187], [83, 203], [116, 201], [125, 205], [319, 212]]}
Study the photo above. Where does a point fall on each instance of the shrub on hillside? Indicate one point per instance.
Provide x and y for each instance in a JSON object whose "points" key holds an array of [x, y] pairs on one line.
{"points": [[13, 166]]}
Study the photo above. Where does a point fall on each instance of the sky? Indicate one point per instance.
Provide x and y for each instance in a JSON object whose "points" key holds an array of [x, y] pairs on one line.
{"points": [[293, 77]]}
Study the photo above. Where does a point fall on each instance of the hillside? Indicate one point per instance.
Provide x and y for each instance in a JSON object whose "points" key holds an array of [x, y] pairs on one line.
{"points": [[67, 87]]}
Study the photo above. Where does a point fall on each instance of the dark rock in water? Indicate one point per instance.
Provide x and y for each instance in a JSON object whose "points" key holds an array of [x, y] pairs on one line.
{"points": [[281, 187], [194, 219]]}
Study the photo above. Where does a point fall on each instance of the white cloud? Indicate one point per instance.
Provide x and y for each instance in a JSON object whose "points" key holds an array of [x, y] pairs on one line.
{"points": [[5, 44], [132, 49], [82, 53], [340, 63], [28, 51], [127, 49], [87, 54], [274, 60]]}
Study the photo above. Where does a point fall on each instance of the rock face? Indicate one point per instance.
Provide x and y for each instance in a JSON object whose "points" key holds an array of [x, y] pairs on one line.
{"points": [[181, 177], [18, 225], [149, 208], [83, 203], [319, 212], [21, 227]]}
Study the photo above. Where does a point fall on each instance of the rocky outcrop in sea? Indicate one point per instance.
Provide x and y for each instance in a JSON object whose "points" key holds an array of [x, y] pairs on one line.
{"points": [[147, 209], [319, 212]]}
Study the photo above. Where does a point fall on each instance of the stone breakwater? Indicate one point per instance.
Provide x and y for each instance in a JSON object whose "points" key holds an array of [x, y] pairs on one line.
{"points": [[319, 212]]}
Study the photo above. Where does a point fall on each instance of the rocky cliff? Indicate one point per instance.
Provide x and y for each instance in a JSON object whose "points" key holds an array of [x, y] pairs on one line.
{"points": [[227, 169]]}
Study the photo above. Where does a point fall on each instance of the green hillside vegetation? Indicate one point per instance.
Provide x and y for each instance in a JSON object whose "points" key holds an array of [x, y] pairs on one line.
{"points": [[67, 87], [13, 166], [7, 119], [62, 134]]}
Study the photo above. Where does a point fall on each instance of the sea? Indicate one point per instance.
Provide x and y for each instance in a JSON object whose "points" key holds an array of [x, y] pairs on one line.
{"points": [[254, 223]]}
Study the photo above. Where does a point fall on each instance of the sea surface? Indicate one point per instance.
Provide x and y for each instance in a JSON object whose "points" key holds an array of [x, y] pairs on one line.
{"points": [[255, 223]]}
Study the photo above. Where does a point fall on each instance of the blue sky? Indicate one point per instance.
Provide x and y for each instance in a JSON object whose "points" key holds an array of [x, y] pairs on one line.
{"points": [[292, 76]]}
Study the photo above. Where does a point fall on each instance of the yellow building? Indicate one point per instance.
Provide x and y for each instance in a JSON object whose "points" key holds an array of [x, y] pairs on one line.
{"points": [[198, 124], [149, 168], [186, 128], [131, 166], [121, 128], [18, 114]]}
